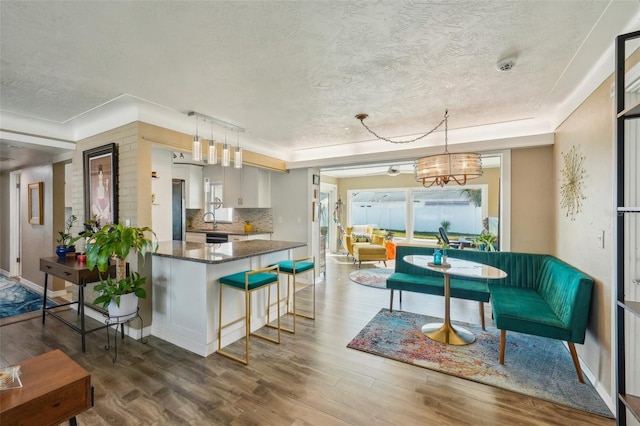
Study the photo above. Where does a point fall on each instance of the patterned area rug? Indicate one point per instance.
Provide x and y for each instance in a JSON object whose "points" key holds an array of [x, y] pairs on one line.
{"points": [[17, 300], [534, 366], [372, 277]]}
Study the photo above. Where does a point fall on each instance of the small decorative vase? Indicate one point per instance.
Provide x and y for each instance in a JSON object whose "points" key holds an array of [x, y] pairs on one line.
{"points": [[248, 227], [71, 249], [437, 257], [61, 251]]}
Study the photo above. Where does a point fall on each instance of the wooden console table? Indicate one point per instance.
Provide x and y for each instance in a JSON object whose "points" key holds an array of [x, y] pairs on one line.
{"points": [[54, 389], [77, 273]]}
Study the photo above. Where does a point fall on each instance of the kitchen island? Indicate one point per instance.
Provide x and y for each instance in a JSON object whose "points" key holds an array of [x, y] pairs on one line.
{"points": [[186, 290]]}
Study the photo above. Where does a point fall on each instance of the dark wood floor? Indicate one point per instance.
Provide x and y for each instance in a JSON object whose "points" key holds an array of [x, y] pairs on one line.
{"points": [[309, 379]]}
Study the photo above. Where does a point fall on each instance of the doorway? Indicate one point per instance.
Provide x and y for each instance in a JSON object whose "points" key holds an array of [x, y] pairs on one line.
{"points": [[15, 246]]}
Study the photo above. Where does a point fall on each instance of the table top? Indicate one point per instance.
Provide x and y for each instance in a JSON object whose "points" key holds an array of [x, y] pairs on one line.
{"points": [[40, 375], [459, 267]]}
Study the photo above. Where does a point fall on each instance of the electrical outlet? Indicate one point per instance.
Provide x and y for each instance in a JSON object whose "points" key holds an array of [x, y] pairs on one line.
{"points": [[600, 238], [127, 222]]}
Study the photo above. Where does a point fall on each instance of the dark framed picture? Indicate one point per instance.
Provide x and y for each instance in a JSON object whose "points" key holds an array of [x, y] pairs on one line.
{"points": [[316, 179], [36, 210], [101, 183]]}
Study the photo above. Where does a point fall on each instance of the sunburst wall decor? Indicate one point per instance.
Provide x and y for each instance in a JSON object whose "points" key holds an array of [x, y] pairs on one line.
{"points": [[571, 190]]}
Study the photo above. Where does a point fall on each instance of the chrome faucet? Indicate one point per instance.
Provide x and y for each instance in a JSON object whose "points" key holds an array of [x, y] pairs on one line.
{"points": [[213, 214]]}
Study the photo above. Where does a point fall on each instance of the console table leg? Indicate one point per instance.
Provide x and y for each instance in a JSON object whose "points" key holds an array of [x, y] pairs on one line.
{"points": [[44, 297], [81, 312]]}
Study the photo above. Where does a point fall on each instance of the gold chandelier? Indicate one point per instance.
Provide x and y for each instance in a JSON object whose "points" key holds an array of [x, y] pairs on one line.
{"points": [[440, 169]]}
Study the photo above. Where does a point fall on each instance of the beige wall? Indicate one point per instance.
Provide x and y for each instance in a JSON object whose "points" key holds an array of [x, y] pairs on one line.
{"points": [[590, 130], [37, 240], [134, 192], [532, 200]]}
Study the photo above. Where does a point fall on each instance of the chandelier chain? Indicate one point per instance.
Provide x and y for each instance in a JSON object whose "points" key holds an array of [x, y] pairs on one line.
{"points": [[362, 117]]}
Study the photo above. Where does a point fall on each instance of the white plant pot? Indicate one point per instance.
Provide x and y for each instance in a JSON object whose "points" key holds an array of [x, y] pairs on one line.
{"points": [[128, 307]]}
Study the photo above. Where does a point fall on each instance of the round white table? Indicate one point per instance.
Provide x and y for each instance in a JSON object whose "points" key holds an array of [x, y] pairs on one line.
{"points": [[444, 332]]}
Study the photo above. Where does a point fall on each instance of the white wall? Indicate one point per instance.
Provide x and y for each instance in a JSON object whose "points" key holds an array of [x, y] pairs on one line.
{"points": [[161, 220]]}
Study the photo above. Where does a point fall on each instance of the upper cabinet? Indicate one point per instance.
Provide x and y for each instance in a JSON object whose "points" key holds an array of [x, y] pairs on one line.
{"points": [[192, 176], [248, 187]]}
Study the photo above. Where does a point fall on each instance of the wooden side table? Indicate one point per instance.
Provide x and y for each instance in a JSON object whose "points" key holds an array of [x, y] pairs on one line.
{"points": [[54, 389], [77, 273]]}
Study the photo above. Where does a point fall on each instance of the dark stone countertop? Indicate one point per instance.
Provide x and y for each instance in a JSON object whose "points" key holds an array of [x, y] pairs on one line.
{"points": [[224, 252], [217, 231]]}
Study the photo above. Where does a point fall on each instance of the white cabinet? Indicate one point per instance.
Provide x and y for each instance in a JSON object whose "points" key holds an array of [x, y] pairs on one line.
{"points": [[196, 237], [192, 176], [249, 237], [248, 187]]}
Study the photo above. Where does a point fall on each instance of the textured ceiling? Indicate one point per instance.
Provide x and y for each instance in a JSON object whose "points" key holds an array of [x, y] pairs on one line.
{"points": [[294, 74]]}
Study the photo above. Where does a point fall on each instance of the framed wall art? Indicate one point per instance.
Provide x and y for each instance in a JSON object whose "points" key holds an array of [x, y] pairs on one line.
{"points": [[101, 183], [36, 210]]}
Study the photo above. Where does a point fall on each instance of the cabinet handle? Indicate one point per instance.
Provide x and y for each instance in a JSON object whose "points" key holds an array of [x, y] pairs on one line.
{"points": [[637, 281], [47, 266], [67, 273]]}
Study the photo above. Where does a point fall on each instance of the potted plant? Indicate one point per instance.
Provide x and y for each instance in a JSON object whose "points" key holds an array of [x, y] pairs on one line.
{"points": [[113, 243], [64, 242], [485, 241]]}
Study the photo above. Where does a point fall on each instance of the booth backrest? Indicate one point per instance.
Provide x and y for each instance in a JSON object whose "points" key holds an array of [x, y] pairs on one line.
{"points": [[567, 291]]}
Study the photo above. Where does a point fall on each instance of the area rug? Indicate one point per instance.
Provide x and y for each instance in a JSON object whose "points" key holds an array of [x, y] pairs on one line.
{"points": [[534, 366], [372, 277], [17, 300]]}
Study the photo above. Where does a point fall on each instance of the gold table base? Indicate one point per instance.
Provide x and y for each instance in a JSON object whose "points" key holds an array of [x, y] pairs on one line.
{"points": [[446, 333]]}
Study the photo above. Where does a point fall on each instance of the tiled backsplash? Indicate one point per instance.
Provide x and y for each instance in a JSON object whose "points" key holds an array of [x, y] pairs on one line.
{"points": [[261, 219]]}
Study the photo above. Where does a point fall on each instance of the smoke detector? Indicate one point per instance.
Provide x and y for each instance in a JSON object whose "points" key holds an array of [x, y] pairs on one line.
{"points": [[506, 64], [393, 170]]}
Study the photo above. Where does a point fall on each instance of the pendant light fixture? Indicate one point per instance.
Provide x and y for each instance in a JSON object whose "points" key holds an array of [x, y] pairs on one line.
{"points": [[212, 154], [213, 149], [197, 148], [225, 151], [440, 169], [237, 161]]}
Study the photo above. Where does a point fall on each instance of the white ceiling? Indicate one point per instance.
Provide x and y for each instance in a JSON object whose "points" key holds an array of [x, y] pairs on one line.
{"points": [[295, 73]]}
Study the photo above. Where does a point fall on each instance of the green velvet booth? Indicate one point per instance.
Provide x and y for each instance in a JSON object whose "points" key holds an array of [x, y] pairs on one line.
{"points": [[541, 294]]}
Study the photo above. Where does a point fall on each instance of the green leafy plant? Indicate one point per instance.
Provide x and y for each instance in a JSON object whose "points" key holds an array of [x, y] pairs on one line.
{"points": [[485, 241], [115, 242], [446, 225], [441, 243], [112, 290], [65, 236]]}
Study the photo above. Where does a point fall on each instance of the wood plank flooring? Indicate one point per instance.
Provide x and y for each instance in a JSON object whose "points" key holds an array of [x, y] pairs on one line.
{"points": [[309, 379]]}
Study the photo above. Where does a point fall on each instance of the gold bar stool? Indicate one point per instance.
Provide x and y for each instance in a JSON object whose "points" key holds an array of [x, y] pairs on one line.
{"points": [[249, 281], [291, 268]]}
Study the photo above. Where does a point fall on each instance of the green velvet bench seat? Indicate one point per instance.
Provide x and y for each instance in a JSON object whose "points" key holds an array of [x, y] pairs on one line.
{"points": [[541, 294], [419, 280]]}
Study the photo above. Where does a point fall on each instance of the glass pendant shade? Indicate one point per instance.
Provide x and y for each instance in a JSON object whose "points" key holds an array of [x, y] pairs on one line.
{"points": [[213, 153], [226, 156], [197, 149], [442, 168], [237, 162]]}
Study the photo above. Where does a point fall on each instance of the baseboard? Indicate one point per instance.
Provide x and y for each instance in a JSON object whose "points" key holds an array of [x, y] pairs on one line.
{"points": [[39, 289], [3, 272]]}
